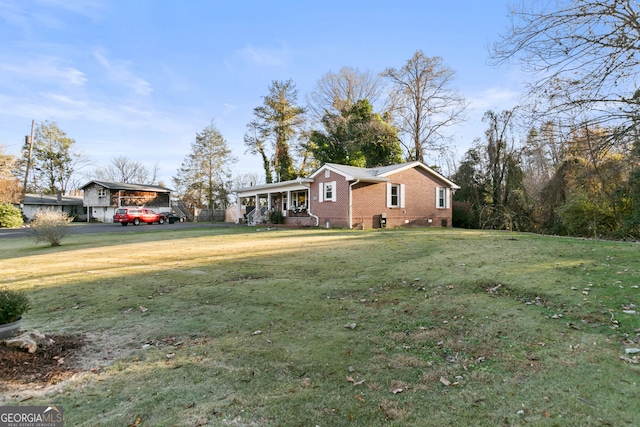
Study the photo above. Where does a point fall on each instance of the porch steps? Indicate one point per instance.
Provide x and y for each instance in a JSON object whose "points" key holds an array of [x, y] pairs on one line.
{"points": [[181, 209]]}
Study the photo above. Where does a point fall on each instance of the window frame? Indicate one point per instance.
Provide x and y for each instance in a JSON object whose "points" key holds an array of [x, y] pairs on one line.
{"points": [[400, 190], [322, 192], [443, 198]]}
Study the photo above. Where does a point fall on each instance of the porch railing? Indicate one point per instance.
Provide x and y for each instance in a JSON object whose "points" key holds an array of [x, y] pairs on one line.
{"points": [[257, 216]]}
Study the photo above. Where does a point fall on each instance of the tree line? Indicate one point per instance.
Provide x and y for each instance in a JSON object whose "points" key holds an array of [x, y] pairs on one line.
{"points": [[567, 161]]}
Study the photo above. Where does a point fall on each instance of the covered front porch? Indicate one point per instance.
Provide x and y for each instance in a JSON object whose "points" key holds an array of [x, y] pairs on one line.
{"points": [[286, 201]]}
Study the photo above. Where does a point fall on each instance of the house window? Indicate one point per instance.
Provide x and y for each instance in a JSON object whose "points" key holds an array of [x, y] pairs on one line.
{"points": [[298, 199], [102, 192], [395, 195], [327, 191], [442, 198]]}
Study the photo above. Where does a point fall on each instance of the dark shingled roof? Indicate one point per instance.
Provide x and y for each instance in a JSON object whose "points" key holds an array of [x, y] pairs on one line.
{"points": [[129, 187]]}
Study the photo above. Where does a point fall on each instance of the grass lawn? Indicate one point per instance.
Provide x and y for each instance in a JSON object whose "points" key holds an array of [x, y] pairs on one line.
{"points": [[416, 327]]}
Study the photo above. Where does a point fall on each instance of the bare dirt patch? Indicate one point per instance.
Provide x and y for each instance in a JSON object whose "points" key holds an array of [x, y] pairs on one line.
{"points": [[24, 375], [47, 366]]}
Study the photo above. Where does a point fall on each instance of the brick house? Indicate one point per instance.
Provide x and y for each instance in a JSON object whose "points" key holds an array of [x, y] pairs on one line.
{"points": [[102, 198], [339, 196]]}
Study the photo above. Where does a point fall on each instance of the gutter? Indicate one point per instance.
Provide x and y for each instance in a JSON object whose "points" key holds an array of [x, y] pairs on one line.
{"points": [[351, 202]]}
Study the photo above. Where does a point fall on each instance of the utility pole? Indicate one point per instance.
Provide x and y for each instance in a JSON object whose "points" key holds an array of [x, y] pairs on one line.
{"points": [[28, 140]]}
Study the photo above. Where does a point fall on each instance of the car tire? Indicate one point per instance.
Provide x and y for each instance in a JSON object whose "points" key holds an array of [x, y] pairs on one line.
{"points": [[124, 223], [136, 221], [161, 221]]}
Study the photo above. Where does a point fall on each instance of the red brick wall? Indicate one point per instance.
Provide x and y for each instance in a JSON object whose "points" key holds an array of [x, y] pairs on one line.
{"points": [[336, 214], [370, 200]]}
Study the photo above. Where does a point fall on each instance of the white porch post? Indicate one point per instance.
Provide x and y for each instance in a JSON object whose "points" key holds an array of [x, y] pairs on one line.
{"points": [[269, 202], [238, 208]]}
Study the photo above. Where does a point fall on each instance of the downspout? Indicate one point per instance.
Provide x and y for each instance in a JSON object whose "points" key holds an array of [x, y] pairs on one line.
{"points": [[351, 202]]}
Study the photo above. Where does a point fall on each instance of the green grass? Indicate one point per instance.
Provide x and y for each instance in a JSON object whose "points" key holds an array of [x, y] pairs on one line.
{"points": [[542, 349]]}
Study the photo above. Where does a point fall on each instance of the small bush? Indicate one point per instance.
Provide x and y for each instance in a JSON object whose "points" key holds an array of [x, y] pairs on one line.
{"points": [[50, 226], [10, 216], [12, 305], [276, 217]]}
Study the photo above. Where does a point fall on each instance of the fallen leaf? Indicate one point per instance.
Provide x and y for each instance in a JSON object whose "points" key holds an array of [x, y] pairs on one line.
{"points": [[143, 309], [360, 398], [359, 383], [628, 360], [350, 379], [445, 381], [546, 414], [396, 391]]}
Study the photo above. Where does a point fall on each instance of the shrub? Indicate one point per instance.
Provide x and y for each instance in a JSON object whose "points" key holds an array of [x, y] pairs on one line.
{"points": [[50, 226], [276, 217], [10, 216], [12, 305], [584, 215]]}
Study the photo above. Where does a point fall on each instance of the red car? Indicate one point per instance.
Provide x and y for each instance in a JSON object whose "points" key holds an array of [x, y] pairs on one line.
{"points": [[137, 215]]}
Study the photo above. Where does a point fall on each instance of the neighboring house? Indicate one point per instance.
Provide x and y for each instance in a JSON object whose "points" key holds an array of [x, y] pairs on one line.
{"points": [[69, 204], [102, 198], [339, 196]]}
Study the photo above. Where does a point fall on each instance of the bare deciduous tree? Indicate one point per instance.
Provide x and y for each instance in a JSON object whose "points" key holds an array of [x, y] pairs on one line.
{"points": [[247, 180], [127, 171], [336, 92], [424, 104], [584, 57]]}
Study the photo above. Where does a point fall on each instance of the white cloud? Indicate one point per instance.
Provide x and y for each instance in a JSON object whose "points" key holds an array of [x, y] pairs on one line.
{"points": [[13, 13], [48, 69], [119, 71], [16, 13], [264, 56], [89, 8]]}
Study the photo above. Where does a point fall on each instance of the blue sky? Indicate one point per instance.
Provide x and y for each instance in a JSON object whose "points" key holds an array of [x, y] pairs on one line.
{"points": [[139, 78]]}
